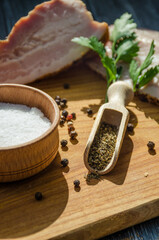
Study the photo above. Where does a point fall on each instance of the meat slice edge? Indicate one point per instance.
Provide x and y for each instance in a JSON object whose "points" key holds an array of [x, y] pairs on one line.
{"points": [[40, 43]]}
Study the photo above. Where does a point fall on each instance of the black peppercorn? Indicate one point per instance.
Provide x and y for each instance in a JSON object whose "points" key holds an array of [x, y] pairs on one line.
{"points": [[57, 98], [62, 121], [38, 196], [73, 115], [63, 143], [57, 101], [130, 127], [76, 183], [64, 162], [151, 145], [64, 113], [63, 117], [62, 105], [70, 129], [66, 86], [89, 111], [73, 134], [64, 100]]}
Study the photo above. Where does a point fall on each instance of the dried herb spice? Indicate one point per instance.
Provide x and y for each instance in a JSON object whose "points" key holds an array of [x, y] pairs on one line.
{"points": [[90, 176], [103, 146]]}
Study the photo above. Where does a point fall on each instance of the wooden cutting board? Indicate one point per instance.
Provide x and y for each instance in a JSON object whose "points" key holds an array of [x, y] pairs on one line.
{"points": [[120, 199]]}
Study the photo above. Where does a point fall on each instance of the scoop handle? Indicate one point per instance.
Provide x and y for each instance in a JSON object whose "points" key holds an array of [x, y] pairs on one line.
{"points": [[120, 92]]}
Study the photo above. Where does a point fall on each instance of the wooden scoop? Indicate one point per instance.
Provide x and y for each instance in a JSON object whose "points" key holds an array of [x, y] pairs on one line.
{"points": [[114, 112]]}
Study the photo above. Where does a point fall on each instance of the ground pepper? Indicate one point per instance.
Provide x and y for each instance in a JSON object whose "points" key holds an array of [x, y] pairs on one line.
{"points": [[103, 147]]}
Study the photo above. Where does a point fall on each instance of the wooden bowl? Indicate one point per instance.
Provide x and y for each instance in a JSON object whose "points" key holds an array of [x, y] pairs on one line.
{"points": [[24, 160]]}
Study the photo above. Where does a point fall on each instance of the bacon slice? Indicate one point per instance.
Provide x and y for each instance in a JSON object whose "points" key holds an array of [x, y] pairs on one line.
{"points": [[150, 92], [40, 43]]}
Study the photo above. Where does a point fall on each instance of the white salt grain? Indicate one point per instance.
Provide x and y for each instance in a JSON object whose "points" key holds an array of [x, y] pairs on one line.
{"points": [[20, 124]]}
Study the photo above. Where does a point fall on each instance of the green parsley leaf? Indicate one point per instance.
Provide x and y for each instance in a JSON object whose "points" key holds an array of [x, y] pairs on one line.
{"points": [[135, 72], [123, 27], [91, 43], [148, 59], [123, 38], [127, 50], [148, 76], [109, 65], [83, 41]]}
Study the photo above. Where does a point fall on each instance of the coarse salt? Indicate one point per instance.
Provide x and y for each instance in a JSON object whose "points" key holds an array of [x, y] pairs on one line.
{"points": [[20, 124]]}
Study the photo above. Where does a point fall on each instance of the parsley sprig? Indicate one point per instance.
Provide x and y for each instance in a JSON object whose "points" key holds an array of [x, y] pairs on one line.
{"points": [[124, 48], [135, 71]]}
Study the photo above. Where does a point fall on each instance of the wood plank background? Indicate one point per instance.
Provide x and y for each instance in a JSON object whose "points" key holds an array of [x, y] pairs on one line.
{"points": [[146, 15], [120, 199]]}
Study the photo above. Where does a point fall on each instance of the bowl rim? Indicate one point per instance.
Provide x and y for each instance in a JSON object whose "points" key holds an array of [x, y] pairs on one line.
{"points": [[53, 126]]}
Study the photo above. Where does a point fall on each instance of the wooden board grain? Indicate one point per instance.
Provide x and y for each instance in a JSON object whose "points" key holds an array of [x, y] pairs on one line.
{"points": [[120, 199]]}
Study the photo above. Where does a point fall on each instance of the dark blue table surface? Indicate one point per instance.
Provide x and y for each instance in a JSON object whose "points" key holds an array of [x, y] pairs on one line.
{"points": [[146, 15]]}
